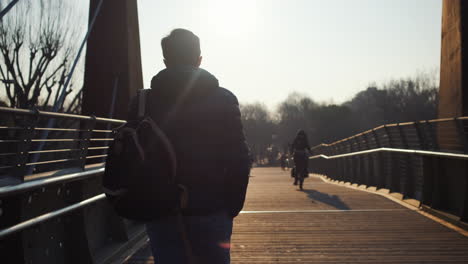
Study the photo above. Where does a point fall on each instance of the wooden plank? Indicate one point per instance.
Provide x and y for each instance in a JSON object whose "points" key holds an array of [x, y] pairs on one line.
{"points": [[327, 223]]}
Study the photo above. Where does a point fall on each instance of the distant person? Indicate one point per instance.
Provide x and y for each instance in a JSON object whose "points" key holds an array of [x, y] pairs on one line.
{"points": [[300, 149], [288, 162], [202, 121], [283, 159]]}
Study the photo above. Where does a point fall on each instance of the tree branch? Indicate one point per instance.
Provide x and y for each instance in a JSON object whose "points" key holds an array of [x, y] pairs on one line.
{"points": [[7, 86], [49, 93], [77, 100], [52, 75], [63, 76], [18, 40], [32, 57], [67, 92]]}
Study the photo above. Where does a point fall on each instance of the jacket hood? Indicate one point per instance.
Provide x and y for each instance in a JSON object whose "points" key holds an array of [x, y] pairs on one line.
{"points": [[183, 81], [175, 89]]}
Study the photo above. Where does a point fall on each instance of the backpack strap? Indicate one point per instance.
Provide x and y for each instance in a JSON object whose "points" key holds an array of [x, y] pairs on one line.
{"points": [[142, 95]]}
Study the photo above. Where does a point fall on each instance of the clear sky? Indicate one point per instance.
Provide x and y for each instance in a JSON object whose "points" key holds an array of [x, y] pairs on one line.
{"points": [[262, 50]]}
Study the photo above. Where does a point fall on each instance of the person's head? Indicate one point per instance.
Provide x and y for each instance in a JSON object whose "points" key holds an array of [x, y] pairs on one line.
{"points": [[181, 47], [301, 133]]}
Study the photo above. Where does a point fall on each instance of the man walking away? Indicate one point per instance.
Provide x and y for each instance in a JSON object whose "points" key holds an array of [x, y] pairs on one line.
{"points": [[202, 121]]}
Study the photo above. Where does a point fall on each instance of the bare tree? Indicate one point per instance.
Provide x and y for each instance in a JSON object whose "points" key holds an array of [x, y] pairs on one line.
{"points": [[37, 47], [259, 128], [399, 100], [296, 112]]}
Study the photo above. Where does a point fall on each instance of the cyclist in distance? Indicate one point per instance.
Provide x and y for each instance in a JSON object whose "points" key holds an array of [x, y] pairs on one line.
{"points": [[300, 149]]}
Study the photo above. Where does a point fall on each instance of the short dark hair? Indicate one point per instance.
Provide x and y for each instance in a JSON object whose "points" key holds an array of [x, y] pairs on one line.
{"points": [[181, 47]]}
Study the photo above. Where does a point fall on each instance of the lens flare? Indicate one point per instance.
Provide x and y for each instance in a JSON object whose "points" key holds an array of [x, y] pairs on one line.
{"points": [[225, 245]]}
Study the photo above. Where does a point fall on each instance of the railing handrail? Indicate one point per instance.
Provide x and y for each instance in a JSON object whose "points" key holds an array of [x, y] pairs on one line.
{"points": [[440, 120], [82, 138], [25, 186], [406, 151], [44, 217], [9, 190], [422, 160], [58, 115]]}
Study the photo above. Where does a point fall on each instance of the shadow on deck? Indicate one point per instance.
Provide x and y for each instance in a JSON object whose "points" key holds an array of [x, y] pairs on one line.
{"points": [[332, 200]]}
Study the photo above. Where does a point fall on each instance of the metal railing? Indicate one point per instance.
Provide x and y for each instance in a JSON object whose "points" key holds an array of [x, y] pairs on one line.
{"points": [[73, 142], [425, 160], [57, 214], [394, 150], [47, 216]]}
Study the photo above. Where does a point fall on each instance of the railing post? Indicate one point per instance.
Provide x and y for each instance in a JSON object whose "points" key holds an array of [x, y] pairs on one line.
{"points": [[464, 212], [86, 140], [333, 163], [432, 131], [411, 190], [379, 162], [402, 136], [367, 160], [398, 158], [421, 137], [390, 140], [366, 141], [25, 136], [389, 168], [352, 162], [376, 138], [349, 163], [342, 149], [326, 163], [336, 162], [359, 176], [430, 169], [463, 139], [461, 133]]}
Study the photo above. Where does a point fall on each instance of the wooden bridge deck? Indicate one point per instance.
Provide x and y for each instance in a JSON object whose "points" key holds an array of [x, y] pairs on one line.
{"points": [[327, 223]]}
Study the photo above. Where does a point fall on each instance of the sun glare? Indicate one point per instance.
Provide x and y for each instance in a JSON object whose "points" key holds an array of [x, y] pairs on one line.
{"points": [[229, 18]]}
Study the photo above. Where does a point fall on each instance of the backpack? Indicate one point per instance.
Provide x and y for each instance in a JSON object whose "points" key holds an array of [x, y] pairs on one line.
{"points": [[140, 171]]}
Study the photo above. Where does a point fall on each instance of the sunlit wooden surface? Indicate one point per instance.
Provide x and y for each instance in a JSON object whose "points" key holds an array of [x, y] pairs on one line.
{"points": [[326, 223]]}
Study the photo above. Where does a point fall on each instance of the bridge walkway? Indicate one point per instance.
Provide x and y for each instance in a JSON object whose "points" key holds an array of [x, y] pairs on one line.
{"points": [[328, 223]]}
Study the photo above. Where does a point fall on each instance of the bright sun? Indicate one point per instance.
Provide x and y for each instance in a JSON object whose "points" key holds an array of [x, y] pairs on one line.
{"points": [[228, 17]]}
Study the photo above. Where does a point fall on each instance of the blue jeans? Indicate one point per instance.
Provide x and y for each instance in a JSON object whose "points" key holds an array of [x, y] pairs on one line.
{"points": [[209, 237]]}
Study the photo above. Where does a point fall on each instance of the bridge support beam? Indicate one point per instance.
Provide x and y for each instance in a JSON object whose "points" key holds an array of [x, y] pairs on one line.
{"points": [[113, 60], [113, 74], [453, 96]]}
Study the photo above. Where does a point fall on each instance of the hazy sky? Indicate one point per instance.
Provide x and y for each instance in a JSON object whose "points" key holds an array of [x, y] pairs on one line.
{"points": [[262, 50]]}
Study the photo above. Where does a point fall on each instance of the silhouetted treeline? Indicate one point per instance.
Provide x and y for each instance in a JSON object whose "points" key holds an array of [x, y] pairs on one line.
{"points": [[403, 100]]}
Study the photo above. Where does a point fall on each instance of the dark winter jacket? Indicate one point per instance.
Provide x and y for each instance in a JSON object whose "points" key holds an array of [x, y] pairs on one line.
{"points": [[300, 143], [202, 121]]}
